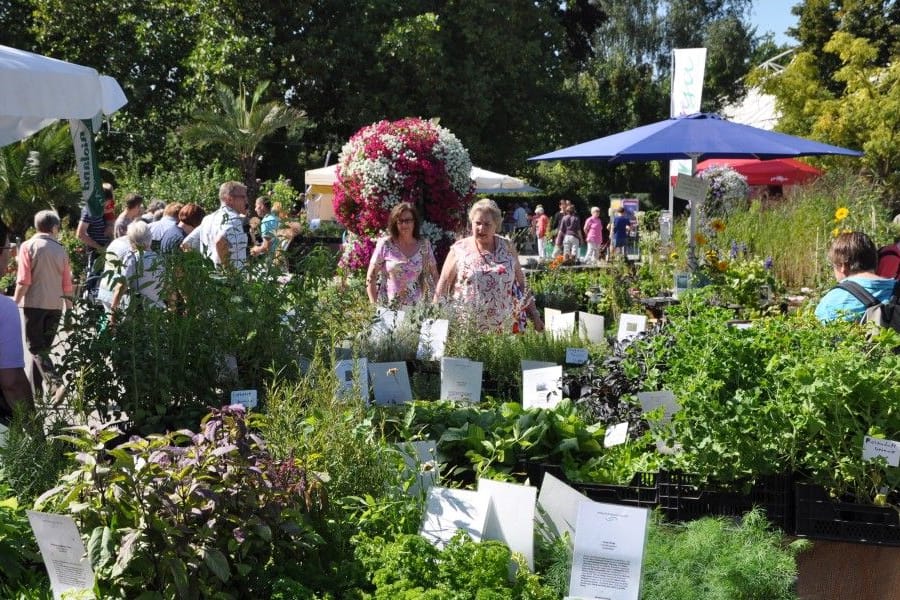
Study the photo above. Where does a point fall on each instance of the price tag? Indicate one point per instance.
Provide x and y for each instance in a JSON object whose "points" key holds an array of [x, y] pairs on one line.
{"points": [[576, 356], [246, 398], [888, 449]]}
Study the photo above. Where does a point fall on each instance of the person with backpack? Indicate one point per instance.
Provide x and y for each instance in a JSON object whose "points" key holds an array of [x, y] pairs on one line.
{"points": [[854, 258], [889, 261]]}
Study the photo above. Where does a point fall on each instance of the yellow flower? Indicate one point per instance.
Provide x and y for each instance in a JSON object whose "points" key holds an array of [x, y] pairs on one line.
{"points": [[673, 256], [717, 225], [722, 265], [835, 232], [700, 239], [841, 213], [712, 256]]}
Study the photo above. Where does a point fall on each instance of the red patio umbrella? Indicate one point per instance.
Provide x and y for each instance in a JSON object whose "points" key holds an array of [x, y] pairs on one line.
{"points": [[777, 171]]}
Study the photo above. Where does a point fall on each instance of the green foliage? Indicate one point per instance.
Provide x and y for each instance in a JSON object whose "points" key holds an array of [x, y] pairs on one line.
{"points": [[796, 233], [32, 460], [183, 183], [841, 85], [711, 559], [210, 514], [788, 394], [239, 125], [23, 568], [410, 567], [161, 378], [37, 174]]}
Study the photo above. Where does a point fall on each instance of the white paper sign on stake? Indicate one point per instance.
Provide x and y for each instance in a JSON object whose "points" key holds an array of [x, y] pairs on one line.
{"points": [[449, 510], [653, 400], [690, 188], [615, 435], [390, 382], [542, 388], [511, 516], [591, 327], [682, 284], [432, 339], [630, 326], [888, 449], [561, 325], [246, 398], [576, 356], [461, 379], [386, 322], [558, 506], [549, 315], [421, 459], [63, 552], [528, 365], [351, 373], [609, 551]]}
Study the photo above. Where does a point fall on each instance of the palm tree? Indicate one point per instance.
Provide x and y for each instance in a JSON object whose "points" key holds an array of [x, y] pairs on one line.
{"points": [[239, 128], [36, 173]]}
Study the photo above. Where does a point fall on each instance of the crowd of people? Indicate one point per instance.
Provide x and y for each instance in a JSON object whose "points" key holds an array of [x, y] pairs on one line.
{"points": [[125, 266], [481, 278]]}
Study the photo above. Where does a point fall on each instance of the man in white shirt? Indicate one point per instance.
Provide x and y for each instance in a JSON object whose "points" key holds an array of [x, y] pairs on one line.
{"points": [[220, 235]]}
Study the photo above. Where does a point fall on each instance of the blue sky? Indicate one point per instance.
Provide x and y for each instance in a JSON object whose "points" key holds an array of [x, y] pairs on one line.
{"points": [[774, 16]]}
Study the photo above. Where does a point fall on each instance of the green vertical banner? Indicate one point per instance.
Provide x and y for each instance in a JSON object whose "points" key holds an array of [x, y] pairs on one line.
{"points": [[87, 166]]}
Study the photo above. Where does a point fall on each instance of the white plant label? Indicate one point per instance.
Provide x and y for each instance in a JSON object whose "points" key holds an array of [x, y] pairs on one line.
{"points": [[888, 449]]}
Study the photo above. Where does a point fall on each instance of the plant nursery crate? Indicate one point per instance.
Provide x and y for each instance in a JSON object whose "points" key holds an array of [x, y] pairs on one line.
{"points": [[642, 491], [818, 516], [683, 497]]}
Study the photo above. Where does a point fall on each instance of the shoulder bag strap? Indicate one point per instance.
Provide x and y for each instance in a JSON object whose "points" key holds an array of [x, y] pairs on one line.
{"points": [[859, 292]]}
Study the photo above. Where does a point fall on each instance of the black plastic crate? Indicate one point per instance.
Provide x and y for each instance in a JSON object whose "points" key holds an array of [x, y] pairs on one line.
{"points": [[642, 491], [684, 497], [818, 516], [535, 470]]}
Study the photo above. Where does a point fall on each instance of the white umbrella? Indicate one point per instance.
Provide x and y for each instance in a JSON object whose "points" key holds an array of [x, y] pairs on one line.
{"points": [[37, 90], [486, 182]]}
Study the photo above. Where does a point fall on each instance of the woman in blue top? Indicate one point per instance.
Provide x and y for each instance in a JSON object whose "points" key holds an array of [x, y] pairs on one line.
{"points": [[854, 258], [268, 227]]}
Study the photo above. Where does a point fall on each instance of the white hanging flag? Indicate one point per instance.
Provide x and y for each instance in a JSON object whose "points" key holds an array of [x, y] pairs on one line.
{"points": [[688, 68]]}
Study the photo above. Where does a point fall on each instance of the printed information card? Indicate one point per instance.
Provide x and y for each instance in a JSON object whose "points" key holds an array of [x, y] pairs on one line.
{"points": [[542, 388], [461, 379], [390, 382], [609, 551], [630, 326], [449, 510], [63, 552]]}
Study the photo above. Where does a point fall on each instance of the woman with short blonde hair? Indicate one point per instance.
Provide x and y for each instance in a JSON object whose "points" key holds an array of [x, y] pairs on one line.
{"points": [[483, 276]]}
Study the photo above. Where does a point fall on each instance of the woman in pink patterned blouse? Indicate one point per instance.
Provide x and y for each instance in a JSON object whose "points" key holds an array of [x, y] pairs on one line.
{"points": [[483, 276], [402, 271]]}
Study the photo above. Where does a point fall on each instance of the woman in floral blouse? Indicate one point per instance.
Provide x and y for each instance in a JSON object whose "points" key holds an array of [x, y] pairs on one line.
{"points": [[402, 270], [483, 276]]}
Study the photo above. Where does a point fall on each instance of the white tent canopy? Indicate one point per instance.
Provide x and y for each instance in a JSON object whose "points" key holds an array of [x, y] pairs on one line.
{"points": [[37, 90], [486, 182]]}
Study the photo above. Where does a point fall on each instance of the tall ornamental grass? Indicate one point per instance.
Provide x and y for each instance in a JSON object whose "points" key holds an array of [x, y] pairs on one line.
{"points": [[797, 230]]}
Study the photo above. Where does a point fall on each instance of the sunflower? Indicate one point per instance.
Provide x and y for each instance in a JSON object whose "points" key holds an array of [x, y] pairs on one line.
{"points": [[700, 239], [717, 225], [841, 213]]}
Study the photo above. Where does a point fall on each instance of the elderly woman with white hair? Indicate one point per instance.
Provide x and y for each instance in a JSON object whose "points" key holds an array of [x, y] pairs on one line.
{"points": [[142, 271], [483, 276]]}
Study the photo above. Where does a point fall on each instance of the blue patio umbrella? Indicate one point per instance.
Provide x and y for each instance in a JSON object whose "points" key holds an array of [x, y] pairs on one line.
{"points": [[696, 137], [699, 136]]}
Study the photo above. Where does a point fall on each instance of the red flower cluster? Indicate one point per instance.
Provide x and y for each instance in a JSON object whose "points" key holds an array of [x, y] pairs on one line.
{"points": [[410, 160]]}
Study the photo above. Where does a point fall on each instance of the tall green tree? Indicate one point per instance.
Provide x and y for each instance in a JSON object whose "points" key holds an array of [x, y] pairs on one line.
{"points": [[843, 84], [239, 124]]}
